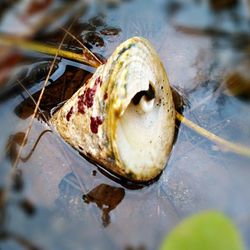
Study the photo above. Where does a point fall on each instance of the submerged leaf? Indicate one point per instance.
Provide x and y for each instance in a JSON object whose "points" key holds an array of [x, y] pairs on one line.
{"points": [[207, 231]]}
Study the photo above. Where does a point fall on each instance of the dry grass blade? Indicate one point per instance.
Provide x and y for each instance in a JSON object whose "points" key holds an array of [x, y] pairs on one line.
{"points": [[87, 53], [19, 43], [33, 100], [24, 159], [38, 103], [233, 147]]}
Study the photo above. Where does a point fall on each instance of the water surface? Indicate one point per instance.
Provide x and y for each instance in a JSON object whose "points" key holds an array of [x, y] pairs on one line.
{"points": [[60, 200]]}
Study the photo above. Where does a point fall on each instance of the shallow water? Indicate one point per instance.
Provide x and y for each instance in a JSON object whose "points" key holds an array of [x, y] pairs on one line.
{"points": [[60, 200]]}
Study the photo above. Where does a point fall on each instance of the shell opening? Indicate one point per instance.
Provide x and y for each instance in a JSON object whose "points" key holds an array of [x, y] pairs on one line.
{"points": [[145, 99], [148, 94], [139, 132]]}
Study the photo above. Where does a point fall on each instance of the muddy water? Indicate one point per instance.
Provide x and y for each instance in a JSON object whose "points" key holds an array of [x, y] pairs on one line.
{"points": [[60, 200]]}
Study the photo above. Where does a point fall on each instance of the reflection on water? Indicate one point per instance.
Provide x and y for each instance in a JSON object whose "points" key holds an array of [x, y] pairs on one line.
{"points": [[61, 90], [204, 45], [11, 147], [106, 198], [237, 82]]}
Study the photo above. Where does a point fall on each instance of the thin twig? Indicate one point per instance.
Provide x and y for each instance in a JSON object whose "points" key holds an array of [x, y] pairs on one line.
{"points": [[233, 147], [24, 159]]}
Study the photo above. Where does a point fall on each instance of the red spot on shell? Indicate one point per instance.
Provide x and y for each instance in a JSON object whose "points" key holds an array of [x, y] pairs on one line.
{"points": [[80, 104], [69, 114], [105, 96], [95, 122], [89, 95], [98, 81]]}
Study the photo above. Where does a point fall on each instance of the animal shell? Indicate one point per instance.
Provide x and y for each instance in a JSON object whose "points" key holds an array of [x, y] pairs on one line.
{"points": [[123, 118]]}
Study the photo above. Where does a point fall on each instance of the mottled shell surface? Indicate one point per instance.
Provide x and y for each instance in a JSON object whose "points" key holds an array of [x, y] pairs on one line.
{"points": [[123, 117]]}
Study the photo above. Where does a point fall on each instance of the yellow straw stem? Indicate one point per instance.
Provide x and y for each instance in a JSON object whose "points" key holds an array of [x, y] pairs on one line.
{"points": [[38, 47], [233, 147]]}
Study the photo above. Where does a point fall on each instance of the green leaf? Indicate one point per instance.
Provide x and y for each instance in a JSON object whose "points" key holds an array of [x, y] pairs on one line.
{"points": [[204, 231]]}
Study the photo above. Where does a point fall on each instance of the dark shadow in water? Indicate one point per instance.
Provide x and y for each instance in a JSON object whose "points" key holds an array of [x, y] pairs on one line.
{"points": [[140, 247], [16, 141], [238, 40], [2, 206], [5, 6], [24, 243], [238, 85], [17, 180], [173, 7], [219, 5], [131, 185], [27, 207], [11, 149], [12, 145], [180, 102], [61, 90], [31, 71], [106, 198]]}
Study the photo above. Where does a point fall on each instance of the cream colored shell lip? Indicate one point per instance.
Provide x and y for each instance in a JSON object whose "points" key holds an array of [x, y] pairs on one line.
{"points": [[102, 120]]}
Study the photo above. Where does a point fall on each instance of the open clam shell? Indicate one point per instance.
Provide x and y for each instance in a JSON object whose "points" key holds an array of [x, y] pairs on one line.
{"points": [[123, 117]]}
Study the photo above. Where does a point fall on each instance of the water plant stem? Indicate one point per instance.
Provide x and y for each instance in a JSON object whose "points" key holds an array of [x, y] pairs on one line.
{"points": [[227, 145]]}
